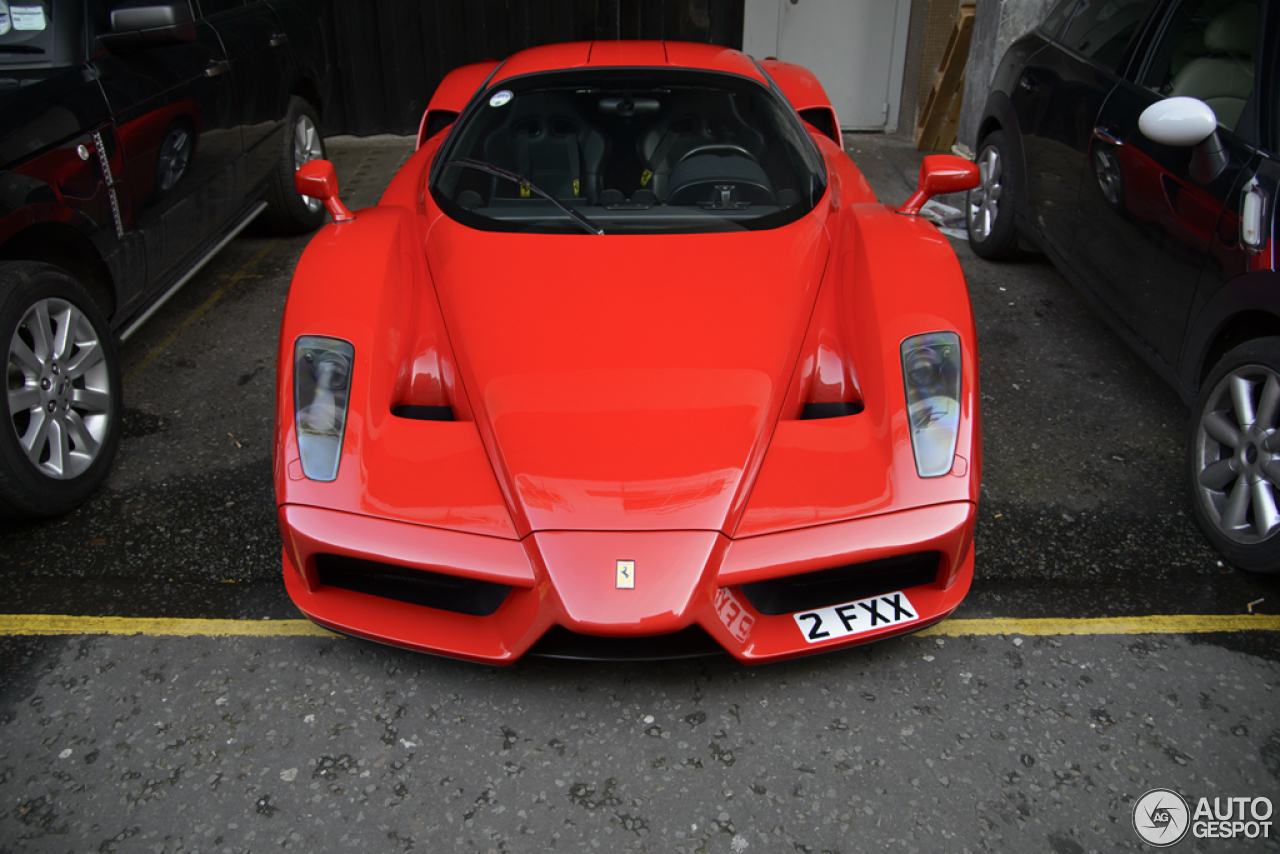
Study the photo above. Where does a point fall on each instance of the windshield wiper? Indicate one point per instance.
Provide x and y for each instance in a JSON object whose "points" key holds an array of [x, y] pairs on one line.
{"points": [[20, 48], [586, 224]]}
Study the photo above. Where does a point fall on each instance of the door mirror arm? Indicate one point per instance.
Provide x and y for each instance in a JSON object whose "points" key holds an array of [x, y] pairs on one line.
{"points": [[1208, 159]]}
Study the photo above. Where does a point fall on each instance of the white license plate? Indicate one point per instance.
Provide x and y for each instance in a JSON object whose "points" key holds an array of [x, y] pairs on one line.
{"points": [[855, 618]]}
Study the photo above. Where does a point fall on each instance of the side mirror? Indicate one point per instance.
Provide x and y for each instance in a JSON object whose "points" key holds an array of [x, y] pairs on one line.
{"points": [[941, 173], [316, 179], [1178, 121], [1187, 122], [138, 23]]}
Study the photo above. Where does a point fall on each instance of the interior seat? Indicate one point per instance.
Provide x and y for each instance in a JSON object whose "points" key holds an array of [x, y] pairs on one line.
{"points": [[1223, 78], [690, 126], [553, 146]]}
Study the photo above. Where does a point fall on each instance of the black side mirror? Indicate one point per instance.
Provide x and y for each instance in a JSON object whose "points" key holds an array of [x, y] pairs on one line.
{"points": [[139, 23]]}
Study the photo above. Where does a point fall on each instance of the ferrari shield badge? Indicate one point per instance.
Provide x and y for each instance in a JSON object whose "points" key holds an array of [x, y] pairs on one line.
{"points": [[626, 574]]}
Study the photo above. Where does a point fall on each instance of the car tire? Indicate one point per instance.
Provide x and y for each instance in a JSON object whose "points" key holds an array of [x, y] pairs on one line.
{"points": [[989, 206], [1233, 458], [288, 211], [62, 408]]}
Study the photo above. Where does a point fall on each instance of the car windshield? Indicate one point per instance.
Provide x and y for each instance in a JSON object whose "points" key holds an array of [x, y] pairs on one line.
{"points": [[26, 33], [634, 151]]}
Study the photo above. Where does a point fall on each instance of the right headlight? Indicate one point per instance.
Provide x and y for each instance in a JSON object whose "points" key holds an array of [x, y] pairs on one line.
{"points": [[321, 392], [931, 373]]}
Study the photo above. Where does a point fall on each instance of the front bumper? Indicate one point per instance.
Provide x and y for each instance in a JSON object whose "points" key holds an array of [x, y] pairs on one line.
{"points": [[569, 580]]}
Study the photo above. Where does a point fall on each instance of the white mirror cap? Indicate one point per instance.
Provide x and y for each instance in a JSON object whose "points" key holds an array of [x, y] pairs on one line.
{"points": [[1178, 121]]}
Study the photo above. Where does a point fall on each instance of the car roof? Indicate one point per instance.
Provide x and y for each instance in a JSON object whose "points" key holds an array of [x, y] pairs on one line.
{"points": [[629, 54]]}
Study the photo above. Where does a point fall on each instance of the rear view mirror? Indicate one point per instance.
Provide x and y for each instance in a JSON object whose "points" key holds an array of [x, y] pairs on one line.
{"points": [[317, 179], [138, 23], [628, 106], [941, 173]]}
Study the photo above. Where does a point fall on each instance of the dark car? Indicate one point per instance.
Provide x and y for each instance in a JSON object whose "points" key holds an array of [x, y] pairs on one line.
{"points": [[1137, 144], [136, 139]]}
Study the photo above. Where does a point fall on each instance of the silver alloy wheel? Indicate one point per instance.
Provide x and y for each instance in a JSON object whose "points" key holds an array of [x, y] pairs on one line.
{"points": [[59, 392], [306, 147], [175, 153], [984, 200], [1237, 455]]}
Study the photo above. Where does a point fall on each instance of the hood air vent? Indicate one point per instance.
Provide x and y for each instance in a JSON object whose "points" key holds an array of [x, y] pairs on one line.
{"points": [[423, 413]]}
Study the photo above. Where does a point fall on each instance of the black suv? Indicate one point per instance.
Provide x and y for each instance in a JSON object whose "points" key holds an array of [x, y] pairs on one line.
{"points": [[1137, 143], [136, 139]]}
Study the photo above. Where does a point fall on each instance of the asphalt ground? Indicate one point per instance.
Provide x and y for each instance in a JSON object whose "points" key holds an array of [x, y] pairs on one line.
{"points": [[174, 736]]}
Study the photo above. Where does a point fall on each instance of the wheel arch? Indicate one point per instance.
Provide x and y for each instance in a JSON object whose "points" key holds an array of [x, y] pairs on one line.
{"points": [[999, 115], [306, 89], [64, 246], [1248, 307]]}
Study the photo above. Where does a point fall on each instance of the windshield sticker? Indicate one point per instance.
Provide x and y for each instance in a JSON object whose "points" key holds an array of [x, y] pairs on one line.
{"points": [[5, 26], [27, 17], [501, 99]]}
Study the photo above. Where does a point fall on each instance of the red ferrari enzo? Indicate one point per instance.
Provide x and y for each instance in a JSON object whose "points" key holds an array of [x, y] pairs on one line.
{"points": [[628, 363]]}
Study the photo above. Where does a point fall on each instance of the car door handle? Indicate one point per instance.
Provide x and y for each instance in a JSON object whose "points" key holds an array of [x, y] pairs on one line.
{"points": [[1107, 136], [217, 69], [278, 40]]}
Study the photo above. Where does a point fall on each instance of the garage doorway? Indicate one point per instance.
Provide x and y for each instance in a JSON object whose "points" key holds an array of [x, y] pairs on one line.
{"points": [[856, 47]]}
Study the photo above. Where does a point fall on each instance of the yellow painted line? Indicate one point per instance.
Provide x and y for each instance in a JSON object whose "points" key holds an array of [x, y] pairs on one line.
{"points": [[232, 280], [57, 624], [1181, 624]]}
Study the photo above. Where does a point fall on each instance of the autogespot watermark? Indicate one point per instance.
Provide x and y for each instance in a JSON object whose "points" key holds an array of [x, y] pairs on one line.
{"points": [[1162, 818]]}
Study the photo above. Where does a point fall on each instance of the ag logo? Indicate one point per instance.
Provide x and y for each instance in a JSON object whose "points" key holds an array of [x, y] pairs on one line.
{"points": [[1160, 817]]}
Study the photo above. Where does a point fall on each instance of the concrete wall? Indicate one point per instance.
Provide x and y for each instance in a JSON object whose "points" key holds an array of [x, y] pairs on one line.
{"points": [[997, 24]]}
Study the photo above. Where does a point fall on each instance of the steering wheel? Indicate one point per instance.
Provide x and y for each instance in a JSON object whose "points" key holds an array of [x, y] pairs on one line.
{"points": [[717, 146]]}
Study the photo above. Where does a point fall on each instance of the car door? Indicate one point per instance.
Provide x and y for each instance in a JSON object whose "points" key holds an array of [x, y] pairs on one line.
{"points": [[1148, 214], [1058, 96], [256, 46], [176, 115]]}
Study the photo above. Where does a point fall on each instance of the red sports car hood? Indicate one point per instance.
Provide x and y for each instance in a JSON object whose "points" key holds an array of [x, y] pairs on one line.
{"points": [[626, 382]]}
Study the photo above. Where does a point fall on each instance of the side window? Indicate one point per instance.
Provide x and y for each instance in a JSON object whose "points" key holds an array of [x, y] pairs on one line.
{"points": [[1207, 51], [1102, 29], [1053, 24], [209, 8]]}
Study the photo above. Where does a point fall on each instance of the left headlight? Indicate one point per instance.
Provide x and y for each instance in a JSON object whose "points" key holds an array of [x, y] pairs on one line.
{"points": [[321, 392], [931, 373]]}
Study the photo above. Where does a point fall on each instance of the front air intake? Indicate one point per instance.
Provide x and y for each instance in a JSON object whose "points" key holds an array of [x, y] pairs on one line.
{"points": [[689, 642], [413, 586], [841, 584]]}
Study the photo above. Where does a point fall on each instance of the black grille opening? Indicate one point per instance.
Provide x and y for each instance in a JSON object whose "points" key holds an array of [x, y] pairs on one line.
{"points": [[414, 586], [438, 120], [423, 413], [820, 117], [840, 584], [840, 409], [689, 642]]}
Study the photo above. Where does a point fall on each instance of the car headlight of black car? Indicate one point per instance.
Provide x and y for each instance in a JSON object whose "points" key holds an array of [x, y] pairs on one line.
{"points": [[321, 392], [931, 373]]}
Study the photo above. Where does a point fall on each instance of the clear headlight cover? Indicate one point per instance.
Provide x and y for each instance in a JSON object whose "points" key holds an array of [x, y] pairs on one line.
{"points": [[321, 392], [931, 373]]}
